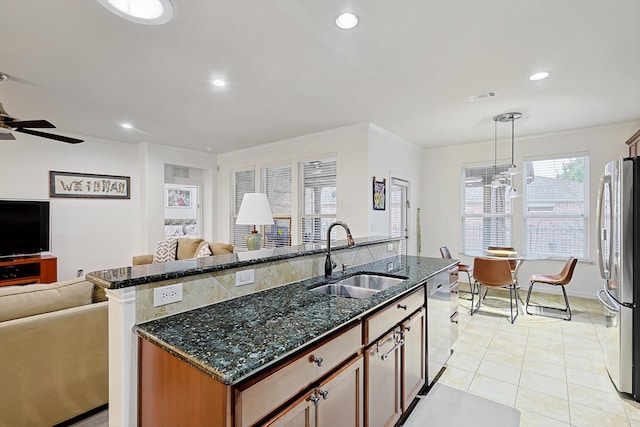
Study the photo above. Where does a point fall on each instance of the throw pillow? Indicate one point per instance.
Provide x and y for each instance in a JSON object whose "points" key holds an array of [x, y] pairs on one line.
{"points": [[204, 250], [187, 248], [221, 248], [165, 250]]}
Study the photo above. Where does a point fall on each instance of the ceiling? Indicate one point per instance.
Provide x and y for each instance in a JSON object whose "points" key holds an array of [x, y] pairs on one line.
{"points": [[408, 67]]}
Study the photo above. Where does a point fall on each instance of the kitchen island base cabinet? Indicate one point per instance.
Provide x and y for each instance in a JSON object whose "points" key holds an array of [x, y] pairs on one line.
{"points": [[383, 389], [337, 401], [413, 357], [172, 393]]}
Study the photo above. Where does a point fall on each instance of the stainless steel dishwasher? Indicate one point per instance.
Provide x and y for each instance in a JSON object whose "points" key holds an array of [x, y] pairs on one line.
{"points": [[438, 324]]}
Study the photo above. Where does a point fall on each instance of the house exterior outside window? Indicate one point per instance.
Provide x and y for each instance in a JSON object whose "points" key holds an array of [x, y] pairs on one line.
{"points": [[556, 207], [486, 211], [318, 199]]}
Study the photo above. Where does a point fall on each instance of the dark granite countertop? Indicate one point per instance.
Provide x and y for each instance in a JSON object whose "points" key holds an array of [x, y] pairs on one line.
{"points": [[124, 277], [235, 339]]}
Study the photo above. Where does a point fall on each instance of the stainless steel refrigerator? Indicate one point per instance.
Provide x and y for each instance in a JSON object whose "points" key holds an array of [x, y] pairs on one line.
{"points": [[618, 256]]}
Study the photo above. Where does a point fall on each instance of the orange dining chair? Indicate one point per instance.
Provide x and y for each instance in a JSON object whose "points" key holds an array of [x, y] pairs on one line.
{"points": [[514, 264], [561, 280], [444, 251], [494, 273]]}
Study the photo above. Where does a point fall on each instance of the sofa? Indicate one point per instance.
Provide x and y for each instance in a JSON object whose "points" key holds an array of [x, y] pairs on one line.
{"points": [[53, 352], [186, 248]]}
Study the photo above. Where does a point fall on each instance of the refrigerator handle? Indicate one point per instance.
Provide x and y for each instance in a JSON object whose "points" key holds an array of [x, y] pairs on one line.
{"points": [[605, 183], [605, 303]]}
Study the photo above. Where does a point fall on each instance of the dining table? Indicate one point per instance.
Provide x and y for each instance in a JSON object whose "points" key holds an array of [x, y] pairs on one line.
{"points": [[510, 255]]}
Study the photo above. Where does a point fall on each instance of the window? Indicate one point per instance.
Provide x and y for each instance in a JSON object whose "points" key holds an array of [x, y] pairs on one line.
{"points": [[556, 207], [276, 183], [487, 214], [318, 199], [243, 182]]}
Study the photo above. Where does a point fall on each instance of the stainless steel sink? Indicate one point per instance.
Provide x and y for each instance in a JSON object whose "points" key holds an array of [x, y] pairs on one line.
{"points": [[371, 281], [339, 290], [358, 286]]}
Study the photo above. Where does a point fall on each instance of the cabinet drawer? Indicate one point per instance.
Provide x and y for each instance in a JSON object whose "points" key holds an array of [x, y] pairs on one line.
{"points": [[385, 319], [262, 397]]}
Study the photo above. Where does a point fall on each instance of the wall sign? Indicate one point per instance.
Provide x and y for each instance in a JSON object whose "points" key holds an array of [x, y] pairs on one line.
{"points": [[88, 185]]}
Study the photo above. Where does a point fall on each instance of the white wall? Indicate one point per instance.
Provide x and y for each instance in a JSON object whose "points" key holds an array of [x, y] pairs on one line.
{"points": [[153, 159], [348, 144], [441, 220], [90, 234], [391, 156], [96, 234]]}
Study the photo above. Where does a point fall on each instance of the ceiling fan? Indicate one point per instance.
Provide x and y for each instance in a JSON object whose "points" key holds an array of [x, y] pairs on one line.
{"points": [[12, 123], [15, 124]]}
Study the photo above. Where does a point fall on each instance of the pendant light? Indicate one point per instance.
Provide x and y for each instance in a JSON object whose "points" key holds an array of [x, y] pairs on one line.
{"points": [[495, 179], [512, 170]]}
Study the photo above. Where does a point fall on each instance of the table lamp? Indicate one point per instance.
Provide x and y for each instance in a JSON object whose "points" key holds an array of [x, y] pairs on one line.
{"points": [[254, 210]]}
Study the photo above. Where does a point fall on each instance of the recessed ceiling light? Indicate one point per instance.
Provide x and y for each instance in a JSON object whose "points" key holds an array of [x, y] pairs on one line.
{"points": [[539, 76], [219, 82], [126, 125], [149, 12], [346, 21]]}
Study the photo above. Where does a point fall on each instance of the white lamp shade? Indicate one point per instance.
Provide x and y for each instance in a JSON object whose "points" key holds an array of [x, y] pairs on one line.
{"points": [[255, 210]]}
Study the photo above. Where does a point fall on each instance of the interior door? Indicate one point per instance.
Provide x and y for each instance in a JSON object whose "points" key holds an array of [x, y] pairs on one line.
{"points": [[399, 212]]}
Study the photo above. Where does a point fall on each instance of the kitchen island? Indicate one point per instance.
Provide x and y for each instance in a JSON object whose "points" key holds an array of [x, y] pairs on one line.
{"points": [[271, 356]]}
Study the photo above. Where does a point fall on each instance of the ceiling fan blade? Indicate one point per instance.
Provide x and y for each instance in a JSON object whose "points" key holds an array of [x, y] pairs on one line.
{"points": [[31, 124], [6, 136], [50, 136]]}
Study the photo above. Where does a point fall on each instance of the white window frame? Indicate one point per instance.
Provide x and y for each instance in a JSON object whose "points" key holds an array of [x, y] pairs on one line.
{"points": [[318, 235], [239, 232], [277, 184], [562, 240], [495, 228]]}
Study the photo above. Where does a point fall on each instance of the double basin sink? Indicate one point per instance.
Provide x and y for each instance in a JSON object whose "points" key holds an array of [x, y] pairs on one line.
{"points": [[359, 286]]}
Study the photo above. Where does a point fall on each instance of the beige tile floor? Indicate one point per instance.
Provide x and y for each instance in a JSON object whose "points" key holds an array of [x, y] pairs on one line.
{"points": [[551, 370]]}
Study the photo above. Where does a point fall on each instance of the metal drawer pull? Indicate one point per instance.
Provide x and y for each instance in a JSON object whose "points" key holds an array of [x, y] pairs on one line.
{"points": [[315, 399], [317, 360], [385, 356], [403, 307], [324, 394]]}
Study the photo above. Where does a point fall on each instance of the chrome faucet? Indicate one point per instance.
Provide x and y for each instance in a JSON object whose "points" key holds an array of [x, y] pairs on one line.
{"points": [[329, 264]]}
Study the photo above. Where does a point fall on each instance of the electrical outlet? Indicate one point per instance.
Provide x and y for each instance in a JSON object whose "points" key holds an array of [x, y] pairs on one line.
{"points": [[389, 247], [244, 277], [389, 266], [167, 294]]}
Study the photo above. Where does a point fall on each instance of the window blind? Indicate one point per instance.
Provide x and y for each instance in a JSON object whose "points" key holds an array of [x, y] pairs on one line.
{"points": [[243, 182], [276, 183], [318, 199], [398, 204], [556, 207], [487, 214]]}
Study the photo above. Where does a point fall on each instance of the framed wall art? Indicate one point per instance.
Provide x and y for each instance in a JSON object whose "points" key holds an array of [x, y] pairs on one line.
{"points": [[379, 194], [88, 185], [178, 197]]}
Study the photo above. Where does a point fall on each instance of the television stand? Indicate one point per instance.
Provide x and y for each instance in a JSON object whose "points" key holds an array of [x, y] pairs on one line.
{"points": [[28, 269]]}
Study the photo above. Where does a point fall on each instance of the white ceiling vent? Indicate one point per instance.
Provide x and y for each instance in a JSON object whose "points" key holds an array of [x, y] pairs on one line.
{"points": [[481, 96], [179, 172]]}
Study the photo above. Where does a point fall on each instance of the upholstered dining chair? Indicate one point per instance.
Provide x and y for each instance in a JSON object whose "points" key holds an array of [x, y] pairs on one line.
{"points": [[514, 264], [562, 279], [464, 268], [494, 273]]}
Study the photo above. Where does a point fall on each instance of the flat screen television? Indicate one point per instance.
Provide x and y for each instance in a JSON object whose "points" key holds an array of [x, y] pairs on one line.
{"points": [[24, 227]]}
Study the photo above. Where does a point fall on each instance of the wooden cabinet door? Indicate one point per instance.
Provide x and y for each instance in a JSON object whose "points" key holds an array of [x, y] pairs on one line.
{"points": [[342, 397], [337, 401], [299, 414], [413, 357], [383, 401]]}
